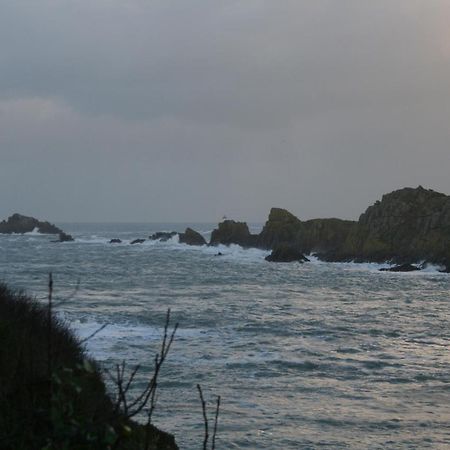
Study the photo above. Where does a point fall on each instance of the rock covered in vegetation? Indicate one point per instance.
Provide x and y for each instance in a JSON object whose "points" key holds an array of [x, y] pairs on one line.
{"points": [[24, 224], [409, 224], [286, 253], [192, 237], [163, 236], [231, 232]]}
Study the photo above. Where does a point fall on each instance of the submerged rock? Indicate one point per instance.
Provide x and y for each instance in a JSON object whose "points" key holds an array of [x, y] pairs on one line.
{"points": [[231, 232], [24, 224], [137, 241], [192, 237], [286, 253], [401, 268], [163, 236], [115, 241]]}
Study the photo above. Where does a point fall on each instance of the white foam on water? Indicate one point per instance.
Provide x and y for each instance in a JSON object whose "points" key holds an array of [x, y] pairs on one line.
{"points": [[102, 345], [35, 232], [375, 267]]}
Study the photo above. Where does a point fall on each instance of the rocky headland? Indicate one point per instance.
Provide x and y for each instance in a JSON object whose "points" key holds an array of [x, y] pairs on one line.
{"points": [[409, 225], [19, 224]]}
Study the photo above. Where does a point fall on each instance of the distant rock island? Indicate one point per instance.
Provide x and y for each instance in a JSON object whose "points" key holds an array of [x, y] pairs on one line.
{"points": [[409, 225], [23, 224]]}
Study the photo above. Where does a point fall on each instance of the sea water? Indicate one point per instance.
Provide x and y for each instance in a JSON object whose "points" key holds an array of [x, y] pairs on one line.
{"points": [[304, 356]]}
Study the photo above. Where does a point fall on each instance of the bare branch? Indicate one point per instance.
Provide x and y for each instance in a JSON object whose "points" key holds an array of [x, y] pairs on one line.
{"points": [[94, 333], [205, 418], [213, 446], [72, 295]]}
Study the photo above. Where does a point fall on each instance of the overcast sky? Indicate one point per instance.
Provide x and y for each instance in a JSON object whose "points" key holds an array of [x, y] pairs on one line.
{"points": [[186, 110]]}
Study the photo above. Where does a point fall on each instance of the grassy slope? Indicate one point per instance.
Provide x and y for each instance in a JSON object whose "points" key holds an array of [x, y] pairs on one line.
{"points": [[66, 408]]}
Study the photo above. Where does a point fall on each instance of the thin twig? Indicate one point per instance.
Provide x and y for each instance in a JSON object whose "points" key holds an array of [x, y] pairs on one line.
{"points": [[94, 333], [72, 295], [205, 418], [213, 446]]}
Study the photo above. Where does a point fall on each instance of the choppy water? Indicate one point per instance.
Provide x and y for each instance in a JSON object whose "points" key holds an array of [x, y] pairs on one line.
{"points": [[304, 356]]}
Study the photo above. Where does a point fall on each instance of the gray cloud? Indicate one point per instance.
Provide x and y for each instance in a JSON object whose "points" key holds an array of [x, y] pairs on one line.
{"points": [[156, 110]]}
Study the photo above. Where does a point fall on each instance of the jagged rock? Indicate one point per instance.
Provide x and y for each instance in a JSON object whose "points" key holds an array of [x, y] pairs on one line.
{"points": [[231, 232], [401, 268], [191, 237], [115, 241], [162, 236], [24, 224], [281, 227], [286, 253], [137, 241]]}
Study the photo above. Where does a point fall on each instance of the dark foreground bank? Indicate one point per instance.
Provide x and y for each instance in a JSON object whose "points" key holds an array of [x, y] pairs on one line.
{"points": [[52, 395]]}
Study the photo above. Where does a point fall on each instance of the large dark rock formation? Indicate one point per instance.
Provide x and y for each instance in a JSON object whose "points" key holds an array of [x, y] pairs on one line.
{"points": [[191, 237], [407, 225], [24, 224], [281, 227], [322, 236], [286, 253], [231, 232]]}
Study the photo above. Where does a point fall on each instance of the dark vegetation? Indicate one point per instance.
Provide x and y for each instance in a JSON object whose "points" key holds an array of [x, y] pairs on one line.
{"points": [[52, 395]]}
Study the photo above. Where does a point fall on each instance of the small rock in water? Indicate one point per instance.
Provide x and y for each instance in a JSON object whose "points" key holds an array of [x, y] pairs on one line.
{"points": [[286, 253], [137, 241], [64, 237], [401, 268], [115, 241], [162, 236]]}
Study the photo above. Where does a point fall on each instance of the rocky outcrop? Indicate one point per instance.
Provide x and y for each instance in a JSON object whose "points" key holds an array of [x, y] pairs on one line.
{"points": [[281, 227], [286, 253], [64, 237], [163, 236], [406, 225], [231, 232], [321, 236], [24, 224], [192, 237]]}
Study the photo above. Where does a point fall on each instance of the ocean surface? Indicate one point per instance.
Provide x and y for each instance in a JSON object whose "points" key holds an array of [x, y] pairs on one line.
{"points": [[304, 356]]}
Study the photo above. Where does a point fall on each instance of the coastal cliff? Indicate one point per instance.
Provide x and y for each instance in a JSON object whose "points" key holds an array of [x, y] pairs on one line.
{"points": [[407, 225]]}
